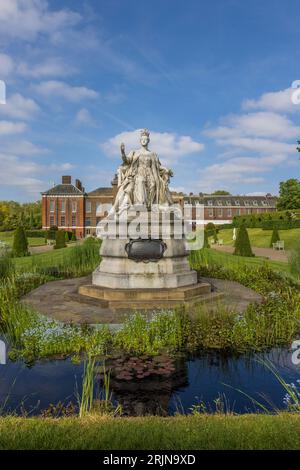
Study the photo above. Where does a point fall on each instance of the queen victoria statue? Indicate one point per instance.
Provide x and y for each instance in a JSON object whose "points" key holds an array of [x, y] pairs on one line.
{"points": [[142, 180]]}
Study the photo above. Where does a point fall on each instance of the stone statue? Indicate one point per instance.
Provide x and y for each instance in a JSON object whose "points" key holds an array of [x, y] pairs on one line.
{"points": [[142, 180]]}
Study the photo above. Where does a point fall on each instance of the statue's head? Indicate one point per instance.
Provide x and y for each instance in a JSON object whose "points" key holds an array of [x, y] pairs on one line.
{"points": [[145, 139]]}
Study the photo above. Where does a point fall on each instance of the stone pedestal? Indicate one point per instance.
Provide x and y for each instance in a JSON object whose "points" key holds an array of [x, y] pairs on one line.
{"points": [[117, 271], [146, 273]]}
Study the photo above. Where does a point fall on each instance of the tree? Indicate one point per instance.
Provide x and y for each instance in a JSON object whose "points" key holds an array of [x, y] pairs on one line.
{"points": [[60, 241], [275, 237], [73, 238], [242, 243], [221, 192], [66, 237], [289, 194], [20, 243]]}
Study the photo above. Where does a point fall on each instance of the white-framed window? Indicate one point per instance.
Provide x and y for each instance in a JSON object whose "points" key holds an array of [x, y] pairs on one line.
{"points": [[248, 211], [237, 203], [62, 221], [220, 212], [63, 205], [51, 220], [52, 205], [88, 206], [74, 206], [229, 212], [210, 213], [255, 203], [210, 203], [73, 220]]}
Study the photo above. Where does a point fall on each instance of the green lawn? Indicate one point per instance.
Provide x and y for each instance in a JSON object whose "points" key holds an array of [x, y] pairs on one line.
{"points": [[49, 258], [8, 237], [231, 261], [187, 433], [261, 238]]}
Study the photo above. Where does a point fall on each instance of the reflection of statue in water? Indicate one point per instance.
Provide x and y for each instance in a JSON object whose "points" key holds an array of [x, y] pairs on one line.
{"points": [[142, 180]]}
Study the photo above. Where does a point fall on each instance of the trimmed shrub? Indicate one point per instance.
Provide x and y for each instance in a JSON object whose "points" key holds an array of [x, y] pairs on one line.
{"points": [[20, 243], [73, 237], [60, 241], [67, 237], [275, 237], [242, 243]]}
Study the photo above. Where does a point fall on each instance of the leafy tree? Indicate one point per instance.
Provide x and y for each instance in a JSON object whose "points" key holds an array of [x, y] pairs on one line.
{"points": [[275, 237], [20, 243], [221, 192], [289, 194], [242, 243], [60, 241]]}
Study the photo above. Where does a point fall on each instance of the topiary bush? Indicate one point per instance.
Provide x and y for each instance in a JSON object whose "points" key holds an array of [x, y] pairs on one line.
{"points": [[20, 243], [60, 241], [73, 238], [275, 237], [242, 243]]}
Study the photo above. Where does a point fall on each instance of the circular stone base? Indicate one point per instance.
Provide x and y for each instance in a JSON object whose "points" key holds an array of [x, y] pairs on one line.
{"points": [[61, 301]]}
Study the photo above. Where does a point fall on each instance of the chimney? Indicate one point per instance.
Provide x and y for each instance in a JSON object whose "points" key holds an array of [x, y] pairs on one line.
{"points": [[78, 185], [66, 180]]}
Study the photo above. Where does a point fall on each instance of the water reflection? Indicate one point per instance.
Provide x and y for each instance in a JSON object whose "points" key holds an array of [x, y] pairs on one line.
{"points": [[198, 380]]}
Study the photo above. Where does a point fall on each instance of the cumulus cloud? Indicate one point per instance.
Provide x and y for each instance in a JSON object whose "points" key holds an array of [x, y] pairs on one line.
{"points": [[278, 101], [169, 146], [66, 91], [17, 106], [8, 127], [25, 19]]}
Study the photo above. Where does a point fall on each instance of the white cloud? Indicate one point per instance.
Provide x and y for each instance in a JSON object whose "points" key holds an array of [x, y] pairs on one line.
{"points": [[25, 19], [6, 65], [66, 91], [19, 107], [53, 67], [8, 127], [24, 148], [274, 101], [20, 173], [169, 146], [83, 117], [259, 124]]}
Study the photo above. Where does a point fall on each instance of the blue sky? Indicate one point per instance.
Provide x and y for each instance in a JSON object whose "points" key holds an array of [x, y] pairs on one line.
{"points": [[210, 79]]}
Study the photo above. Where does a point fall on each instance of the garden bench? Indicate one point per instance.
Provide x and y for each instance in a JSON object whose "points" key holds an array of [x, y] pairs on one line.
{"points": [[278, 245]]}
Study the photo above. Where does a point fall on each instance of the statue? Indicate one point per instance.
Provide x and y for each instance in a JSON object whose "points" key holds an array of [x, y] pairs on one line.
{"points": [[142, 180]]}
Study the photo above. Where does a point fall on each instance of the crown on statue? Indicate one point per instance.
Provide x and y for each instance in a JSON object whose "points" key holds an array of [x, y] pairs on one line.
{"points": [[145, 132]]}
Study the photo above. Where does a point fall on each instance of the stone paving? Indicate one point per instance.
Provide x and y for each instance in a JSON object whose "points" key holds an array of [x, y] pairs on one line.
{"points": [[60, 300]]}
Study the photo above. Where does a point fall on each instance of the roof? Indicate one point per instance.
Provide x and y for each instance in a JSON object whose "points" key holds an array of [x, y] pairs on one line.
{"points": [[230, 200], [101, 192], [63, 189]]}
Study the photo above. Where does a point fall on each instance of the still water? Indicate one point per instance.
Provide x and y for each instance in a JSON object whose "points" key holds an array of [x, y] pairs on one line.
{"points": [[198, 380]]}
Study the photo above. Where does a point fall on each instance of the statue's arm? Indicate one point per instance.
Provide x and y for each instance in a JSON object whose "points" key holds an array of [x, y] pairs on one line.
{"points": [[123, 154]]}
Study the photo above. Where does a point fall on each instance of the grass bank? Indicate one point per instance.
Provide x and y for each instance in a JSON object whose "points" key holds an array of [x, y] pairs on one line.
{"points": [[261, 238], [247, 432]]}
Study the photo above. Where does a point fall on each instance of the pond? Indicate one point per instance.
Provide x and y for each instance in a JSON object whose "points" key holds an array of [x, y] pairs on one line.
{"points": [[201, 379]]}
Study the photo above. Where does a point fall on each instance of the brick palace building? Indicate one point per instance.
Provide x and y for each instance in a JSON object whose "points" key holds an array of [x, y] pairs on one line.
{"points": [[69, 207]]}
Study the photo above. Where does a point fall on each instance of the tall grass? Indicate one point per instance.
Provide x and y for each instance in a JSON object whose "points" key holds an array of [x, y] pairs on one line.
{"points": [[87, 394]]}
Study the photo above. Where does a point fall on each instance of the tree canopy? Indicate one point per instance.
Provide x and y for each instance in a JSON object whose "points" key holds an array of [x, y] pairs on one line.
{"points": [[289, 194]]}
